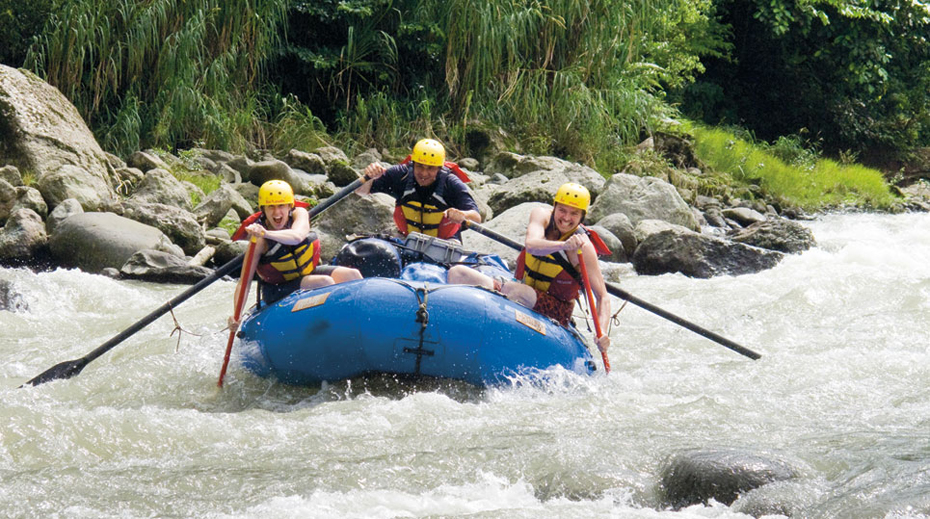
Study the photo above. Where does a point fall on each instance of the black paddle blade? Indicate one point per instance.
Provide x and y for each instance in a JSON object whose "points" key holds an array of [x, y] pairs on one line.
{"points": [[63, 370]]}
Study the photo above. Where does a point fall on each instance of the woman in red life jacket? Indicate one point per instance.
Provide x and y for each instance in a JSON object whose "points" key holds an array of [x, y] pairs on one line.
{"points": [[430, 194], [288, 252], [544, 285]]}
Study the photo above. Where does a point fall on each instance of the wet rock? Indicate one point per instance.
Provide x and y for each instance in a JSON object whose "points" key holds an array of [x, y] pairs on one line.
{"points": [[161, 267], [22, 237], [177, 224], [10, 299], [94, 241], [227, 251], [723, 475], [211, 211], [64, 210], [777, 234], [699, 256]]}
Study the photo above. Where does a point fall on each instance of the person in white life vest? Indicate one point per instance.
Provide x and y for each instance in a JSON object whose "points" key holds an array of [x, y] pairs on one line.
{"points": [[430, 194], [288, 251], [543, 284]]}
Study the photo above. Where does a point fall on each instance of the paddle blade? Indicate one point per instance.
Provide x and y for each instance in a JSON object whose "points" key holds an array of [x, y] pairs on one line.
{"points": [[62, 370]]}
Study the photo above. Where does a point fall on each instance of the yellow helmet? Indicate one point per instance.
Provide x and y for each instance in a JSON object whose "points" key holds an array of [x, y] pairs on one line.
{"points": [[275, 192], [428, 152], [573, 195]]}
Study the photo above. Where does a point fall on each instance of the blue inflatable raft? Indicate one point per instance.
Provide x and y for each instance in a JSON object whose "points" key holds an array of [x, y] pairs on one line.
{"points": [[402, 319]]}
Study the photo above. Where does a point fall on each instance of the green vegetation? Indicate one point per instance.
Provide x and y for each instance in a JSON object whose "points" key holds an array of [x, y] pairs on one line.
{"points": [[581, 79], [812, 184]]}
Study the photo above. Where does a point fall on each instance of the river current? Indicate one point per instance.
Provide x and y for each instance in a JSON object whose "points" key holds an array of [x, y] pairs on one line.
{"points": [[842, 391]]}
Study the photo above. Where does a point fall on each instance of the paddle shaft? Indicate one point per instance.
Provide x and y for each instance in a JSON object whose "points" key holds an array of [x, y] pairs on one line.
{"points": [[623, 294], [593, 306], [71, 368], [237, 311]]}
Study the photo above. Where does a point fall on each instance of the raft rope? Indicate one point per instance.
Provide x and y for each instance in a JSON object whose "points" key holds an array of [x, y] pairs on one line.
{"points": [[177, 328]]}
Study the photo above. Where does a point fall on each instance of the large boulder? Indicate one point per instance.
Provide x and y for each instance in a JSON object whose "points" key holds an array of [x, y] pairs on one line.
{"points": [[94, 241], [724, 475], [161, 267], [159, 186], [641, 198], [541, 186], [698, 255], [370, 214], [177, 224], [512, 224], [42, 132], [778, 234], [217, 204], [22, 236], [66, 209]]}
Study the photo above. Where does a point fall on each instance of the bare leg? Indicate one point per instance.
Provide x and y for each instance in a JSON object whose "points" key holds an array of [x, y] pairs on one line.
{"points": [[343, 274], [462, 275], [316, 281], [519, 293]]}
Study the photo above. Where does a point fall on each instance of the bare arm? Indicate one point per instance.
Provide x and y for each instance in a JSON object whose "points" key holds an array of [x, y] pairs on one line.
{"points": [[372, 171], [299, 230], [535, 240]]}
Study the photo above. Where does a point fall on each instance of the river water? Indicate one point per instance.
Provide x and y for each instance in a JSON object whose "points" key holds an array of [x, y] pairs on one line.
{"points": [[842, 391]]}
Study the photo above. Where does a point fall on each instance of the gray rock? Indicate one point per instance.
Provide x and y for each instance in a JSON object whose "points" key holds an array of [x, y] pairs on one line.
{"points": [[30, 198], [743, 215], [62, 212], [43, 131], [7, 199], [370, 214], [363, 159], [11, 174], [620, 226], [227, 251], [469, 163], [161, 187], [211, 211], [243, 165], [94, 241], [641, 198], [161, 267], [129, 179], [777, 234], [512, 224], [331, 154], [646, 228], [10, 299], [341, 173], [177, 224], [74, 182], [309, 162], [618, 253], [539, 186], [22, 237], [699, 256], [146, 160], [264, 171], [723, 475]]}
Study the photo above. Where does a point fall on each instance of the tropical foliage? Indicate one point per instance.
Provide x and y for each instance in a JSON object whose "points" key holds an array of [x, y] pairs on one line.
{"points": [[581, 79], [854, 73]]}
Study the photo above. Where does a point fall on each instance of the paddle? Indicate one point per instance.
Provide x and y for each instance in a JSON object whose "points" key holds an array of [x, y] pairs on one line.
{"points": [[593, 306], [623, 294], [242, 291], [71, 368]]}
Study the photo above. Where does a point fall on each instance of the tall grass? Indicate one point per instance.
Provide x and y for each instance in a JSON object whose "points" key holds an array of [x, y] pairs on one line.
{"points": [[162, 72], [812, 184], [577, 77]]}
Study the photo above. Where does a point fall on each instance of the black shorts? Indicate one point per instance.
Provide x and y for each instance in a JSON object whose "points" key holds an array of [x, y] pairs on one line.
{"points": [[273, 293]]}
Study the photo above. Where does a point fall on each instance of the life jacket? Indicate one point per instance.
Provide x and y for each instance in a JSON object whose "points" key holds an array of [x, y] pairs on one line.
{"points": [[544, 273], [282, 263], [425, 217]]}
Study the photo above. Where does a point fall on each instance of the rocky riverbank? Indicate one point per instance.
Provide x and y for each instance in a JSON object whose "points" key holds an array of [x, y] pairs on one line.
{"points": [[66, 202]]}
